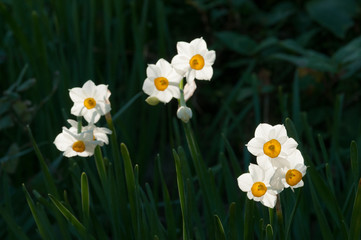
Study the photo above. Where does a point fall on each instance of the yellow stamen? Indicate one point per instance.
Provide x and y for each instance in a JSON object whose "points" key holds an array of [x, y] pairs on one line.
{"points": [[161, 83], [90, 103], [293, 177], [272, 148], [79, 146], [258, 189], [197, 62]]}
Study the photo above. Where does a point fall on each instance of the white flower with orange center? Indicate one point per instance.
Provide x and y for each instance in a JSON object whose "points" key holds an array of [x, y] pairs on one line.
{"points": [[162, 81], [271, 145], [194, 60], [256, 184], [90, 101], [99, 133], [291, 174], [76, 144]]}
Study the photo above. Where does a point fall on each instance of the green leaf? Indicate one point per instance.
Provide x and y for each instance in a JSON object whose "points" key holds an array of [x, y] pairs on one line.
{"points": [[322, 220], [70, 217], [269, 231], [132, 189], [49, 181], [248, 219], [334, 15], [355, 225], [181, 192], [354, 160], [85, 201], [236, 42], [219, 230], [43, 230]]}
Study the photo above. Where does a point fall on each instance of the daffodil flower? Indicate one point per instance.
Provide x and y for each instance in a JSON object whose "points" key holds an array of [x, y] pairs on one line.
{"points": [[291, 174], [76, 144], [271, 145], [256, 184], [99, 133], [162, 81], [194, 60], [90, 101]]}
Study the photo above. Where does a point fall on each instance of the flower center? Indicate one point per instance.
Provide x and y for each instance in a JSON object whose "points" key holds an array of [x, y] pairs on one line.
{"points": [[161, 83], [258, 189], [90, 103], [197, 62], [293, 177], [79, 146], [272, 148]]}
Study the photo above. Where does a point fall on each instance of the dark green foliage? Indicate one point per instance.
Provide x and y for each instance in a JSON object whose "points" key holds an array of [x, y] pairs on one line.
{"points": [[276, 61]]}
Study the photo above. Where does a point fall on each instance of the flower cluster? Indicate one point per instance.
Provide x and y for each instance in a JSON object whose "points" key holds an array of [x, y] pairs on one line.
{"points": [[164, 79], [280, 165], [90, 102]]}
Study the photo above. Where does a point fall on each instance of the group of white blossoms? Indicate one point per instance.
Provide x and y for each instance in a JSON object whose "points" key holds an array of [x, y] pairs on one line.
{"points": [[163, 82], [90, 102], [280, 165]]}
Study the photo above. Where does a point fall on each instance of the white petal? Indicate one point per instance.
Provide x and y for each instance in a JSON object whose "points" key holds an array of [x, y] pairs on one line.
{"points": [[250, 195], [299, 184], [89, 88], [77, 109], [289, 146], [174, 91], [256, 172], [183, 48], [62, 141], [210, 57], [153, 71], [165, 67], [103, 108], [181, 63], [148, 86], [276, 180], [269, 199], [205, 73], [263, 130], [73, 123], [76, 94], [190, 75], [101, 92], [280, 131], [197, 45], [280, 162], [69, 152], [91, 116], [255, 146], [245, 182], [264, 162], [295, 159]]}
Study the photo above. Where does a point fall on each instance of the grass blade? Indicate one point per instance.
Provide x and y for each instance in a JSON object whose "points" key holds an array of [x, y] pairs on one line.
{"points": [[355, 226], [85, 196], [219, 230]]}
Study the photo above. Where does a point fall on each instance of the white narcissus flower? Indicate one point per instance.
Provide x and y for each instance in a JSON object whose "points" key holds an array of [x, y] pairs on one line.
{"points": [[271, 145], [184, 113], [256, 184], [291, 174], [162, 81], [90, 101], [194, 60], [74, 144], [99, 133]]}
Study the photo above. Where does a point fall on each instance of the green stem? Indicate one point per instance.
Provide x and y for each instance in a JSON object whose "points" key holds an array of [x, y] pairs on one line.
{"points": [[79, 123]]}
